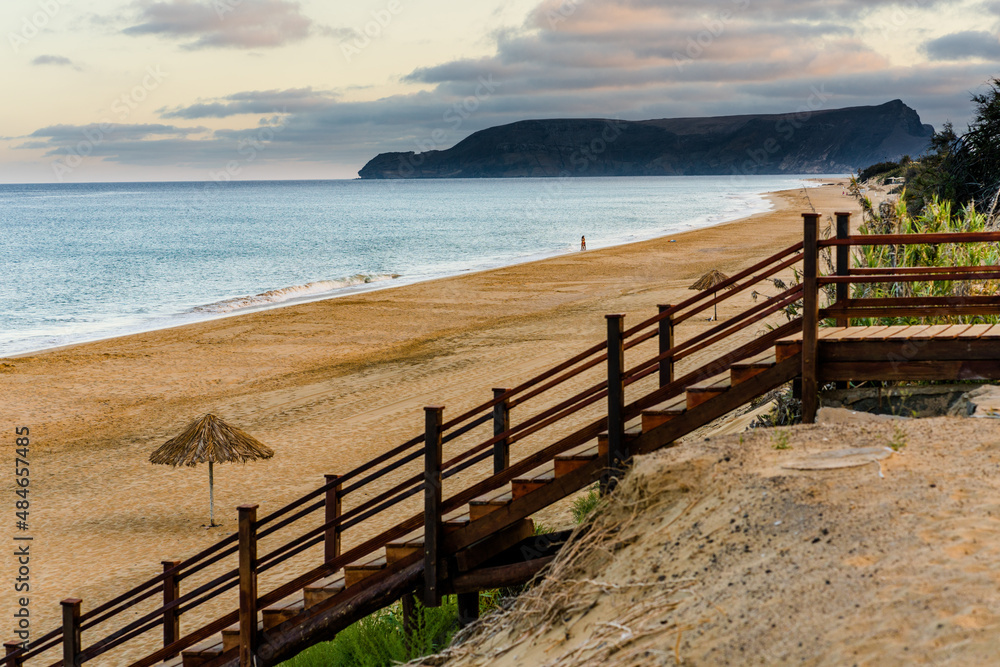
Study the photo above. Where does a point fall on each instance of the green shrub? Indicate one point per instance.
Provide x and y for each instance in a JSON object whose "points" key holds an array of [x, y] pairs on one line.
{"points": [[585, 505], [380, 640]]}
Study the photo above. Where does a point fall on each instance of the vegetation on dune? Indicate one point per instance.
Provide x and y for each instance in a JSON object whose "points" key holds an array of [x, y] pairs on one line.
{"points": [[962, 169]]}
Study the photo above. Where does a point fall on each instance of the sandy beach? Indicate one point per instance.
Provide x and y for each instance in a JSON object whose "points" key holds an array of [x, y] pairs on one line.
{"points": [[327, 385]]}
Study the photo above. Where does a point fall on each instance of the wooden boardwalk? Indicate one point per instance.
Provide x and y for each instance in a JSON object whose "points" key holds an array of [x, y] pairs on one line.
{"points": [[482, 535]]}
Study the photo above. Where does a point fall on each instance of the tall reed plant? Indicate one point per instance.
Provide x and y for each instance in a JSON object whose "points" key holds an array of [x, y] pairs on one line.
{"points": [[935, 217]]}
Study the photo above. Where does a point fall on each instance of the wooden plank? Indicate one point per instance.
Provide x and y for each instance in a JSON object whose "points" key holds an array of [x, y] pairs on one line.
{"points": [[992, 333], [171, 591], [499, 577], [976, 330], [325, 620], [501, 424], [954, 331], [810, 316], [910, 331], [863, 332], [248, 583], [617, 449], [665, 344], [987, 369], [432, 505], [521, 508], [901, 311], [706, 412], [890, 331], [503, 539], [931, 332], [896, 351]]}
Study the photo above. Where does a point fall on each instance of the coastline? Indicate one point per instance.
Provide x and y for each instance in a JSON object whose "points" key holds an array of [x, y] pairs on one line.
{"points": [[327, 384], [264, 302]]}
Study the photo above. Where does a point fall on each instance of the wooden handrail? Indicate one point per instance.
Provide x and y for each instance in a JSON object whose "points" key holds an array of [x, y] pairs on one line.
{"points": [[937, 238], [946, 276]]}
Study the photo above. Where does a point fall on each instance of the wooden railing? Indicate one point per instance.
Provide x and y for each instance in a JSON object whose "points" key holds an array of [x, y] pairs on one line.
{"points": [[843, 309], [232, 564]]}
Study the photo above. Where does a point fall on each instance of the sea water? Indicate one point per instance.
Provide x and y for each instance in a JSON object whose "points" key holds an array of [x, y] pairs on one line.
{"points": [[80, 262]]}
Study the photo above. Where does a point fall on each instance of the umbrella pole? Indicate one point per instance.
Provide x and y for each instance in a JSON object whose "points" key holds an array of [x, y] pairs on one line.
{"points": [[211, 496], [716, 316]]}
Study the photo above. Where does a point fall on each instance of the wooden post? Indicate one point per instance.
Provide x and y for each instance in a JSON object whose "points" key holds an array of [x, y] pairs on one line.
{"points": [[433, 416], [842, 262], [410, 620], [666, 336], [501, 424], [72, 640], [331, 545], [11, 648], [171, 617], [810, 316], [248, 584], [468, 608], [616, 402]]}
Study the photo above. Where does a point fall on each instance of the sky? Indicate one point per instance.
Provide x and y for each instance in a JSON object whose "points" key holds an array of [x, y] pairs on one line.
{"points": [[166, 90]]}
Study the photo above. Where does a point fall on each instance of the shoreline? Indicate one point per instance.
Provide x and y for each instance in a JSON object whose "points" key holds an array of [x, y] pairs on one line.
{"points": [[327, 385], [192, 318]]}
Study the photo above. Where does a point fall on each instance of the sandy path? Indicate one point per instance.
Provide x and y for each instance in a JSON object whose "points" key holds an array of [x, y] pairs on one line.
{"points": [[327, 384]]}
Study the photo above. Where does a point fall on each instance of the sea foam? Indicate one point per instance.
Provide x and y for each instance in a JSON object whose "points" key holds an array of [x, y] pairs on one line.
{"points": [[294, 292]]}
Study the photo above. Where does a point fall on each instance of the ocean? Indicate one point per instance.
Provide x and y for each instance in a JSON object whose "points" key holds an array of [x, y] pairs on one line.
{"points": [[82, 262]]}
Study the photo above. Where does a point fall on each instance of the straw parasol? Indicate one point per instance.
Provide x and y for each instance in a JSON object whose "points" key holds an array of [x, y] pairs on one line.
{"points": [[710, 280], [213, 440]]}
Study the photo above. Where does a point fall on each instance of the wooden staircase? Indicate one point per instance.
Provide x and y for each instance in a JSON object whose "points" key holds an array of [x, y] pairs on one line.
{"points": [[535, 482], [480, 535]]}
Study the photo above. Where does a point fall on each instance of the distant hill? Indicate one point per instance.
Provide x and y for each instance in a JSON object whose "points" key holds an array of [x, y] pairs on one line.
{"points": [[826, 141]]}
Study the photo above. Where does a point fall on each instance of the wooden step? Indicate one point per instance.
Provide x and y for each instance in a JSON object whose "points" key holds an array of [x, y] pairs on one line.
{"points": [[231, 635], [664, 412], [742, 371], [413, 542], [535, 480], [486, 503], [407, 546], [325, 588], [203, 653], [177, 661], [570, 461], [706, 391], [356, 572], [282, 610], [632, 431]]}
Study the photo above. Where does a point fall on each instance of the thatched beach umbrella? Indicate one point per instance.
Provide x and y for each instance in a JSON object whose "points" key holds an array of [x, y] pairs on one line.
{"points": [[710, 280], [213, 440]]}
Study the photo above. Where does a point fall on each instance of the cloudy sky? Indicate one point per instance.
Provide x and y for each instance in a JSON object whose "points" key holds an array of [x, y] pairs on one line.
{"points": [[111, 90]]}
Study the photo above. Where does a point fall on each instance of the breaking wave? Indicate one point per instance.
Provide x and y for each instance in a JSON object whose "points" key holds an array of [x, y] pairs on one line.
{"points": [[297, 291]]}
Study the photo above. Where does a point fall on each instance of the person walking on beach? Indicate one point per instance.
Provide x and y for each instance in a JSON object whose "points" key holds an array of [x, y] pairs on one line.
{"points": [[583, 243]]}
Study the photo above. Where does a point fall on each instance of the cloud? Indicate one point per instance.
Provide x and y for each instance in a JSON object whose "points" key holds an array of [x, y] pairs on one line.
{"points": [[242, 24], [60, 61], [296, 100], [964, 45], [630, 59]]}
